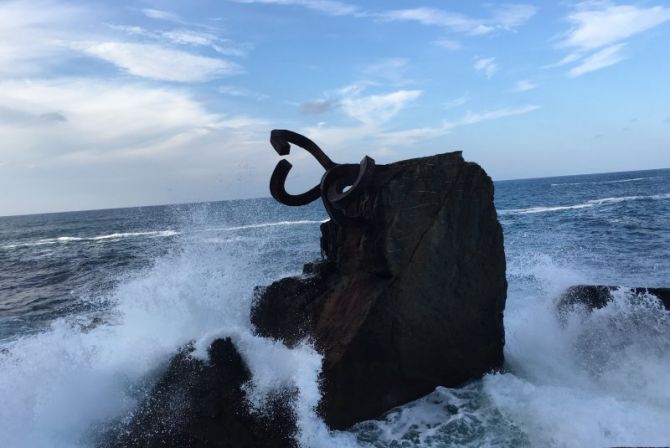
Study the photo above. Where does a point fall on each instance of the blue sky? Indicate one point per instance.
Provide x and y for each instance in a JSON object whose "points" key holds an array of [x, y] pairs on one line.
{"points": [[109, 104]]}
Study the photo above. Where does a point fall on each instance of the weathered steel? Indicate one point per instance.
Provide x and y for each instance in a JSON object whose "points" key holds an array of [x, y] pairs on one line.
{"points": [[333, 186]]}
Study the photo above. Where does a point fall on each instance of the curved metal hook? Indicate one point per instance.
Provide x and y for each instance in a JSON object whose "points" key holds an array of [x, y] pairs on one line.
{"points": [[280, 139], [336, 179], [278, 189]]}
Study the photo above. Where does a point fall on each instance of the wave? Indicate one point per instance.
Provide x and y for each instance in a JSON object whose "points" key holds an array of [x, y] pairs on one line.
{"points": [[111, 236], [151, 234], [272, 224], [587, 204], [618, 181], [61, 385]]}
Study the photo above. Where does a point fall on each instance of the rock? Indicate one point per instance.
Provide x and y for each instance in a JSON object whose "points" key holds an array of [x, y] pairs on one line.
{"points": [[597, 296], [410, 299], [198, 404]]}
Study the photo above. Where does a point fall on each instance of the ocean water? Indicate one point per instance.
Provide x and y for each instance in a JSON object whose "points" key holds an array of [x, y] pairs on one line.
{"points": [[93, 304]]}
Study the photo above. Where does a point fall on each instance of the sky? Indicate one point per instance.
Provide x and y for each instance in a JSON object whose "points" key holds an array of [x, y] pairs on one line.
{"points": [[126, 103]]}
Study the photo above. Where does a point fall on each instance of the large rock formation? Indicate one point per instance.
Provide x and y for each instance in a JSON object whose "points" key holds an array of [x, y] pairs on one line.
{"points": [[410, 299]]}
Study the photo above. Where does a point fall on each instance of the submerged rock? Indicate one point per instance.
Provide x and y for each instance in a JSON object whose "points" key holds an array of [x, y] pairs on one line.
{"points": [[598, 296], [410, 299], [202, 404]]}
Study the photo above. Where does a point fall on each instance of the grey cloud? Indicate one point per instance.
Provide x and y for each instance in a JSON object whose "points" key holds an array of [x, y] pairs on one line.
{"points": [[53, 116], [18, 117], [317, 107]]}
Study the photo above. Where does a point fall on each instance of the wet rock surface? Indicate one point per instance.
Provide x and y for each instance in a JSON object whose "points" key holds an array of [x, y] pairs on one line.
{"points": [[409, 299]]}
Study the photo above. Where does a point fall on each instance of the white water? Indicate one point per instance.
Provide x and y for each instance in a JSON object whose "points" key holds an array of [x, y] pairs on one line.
{"points": [[602, 182], [587, 204], [110, 236], [152, 234], [583, 378], [56, 386]]}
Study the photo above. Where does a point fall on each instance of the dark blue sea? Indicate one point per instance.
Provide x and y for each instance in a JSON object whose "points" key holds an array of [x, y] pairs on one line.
{"points": [[94, 303]]}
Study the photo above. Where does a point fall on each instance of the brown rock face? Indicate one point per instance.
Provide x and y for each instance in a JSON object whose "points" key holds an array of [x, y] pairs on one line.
{"points": [[409, 299]]}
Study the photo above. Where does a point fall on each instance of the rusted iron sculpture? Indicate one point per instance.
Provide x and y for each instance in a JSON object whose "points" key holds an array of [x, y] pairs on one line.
{"points": [[333, 184]]}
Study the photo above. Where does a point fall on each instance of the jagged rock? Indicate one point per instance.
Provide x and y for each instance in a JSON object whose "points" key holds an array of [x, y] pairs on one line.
{"points": [[202, 404], [598, 296], [410, 299]]}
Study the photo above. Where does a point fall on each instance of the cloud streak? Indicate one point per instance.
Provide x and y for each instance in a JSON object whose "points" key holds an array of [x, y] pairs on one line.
{"points": [[599, 24], [604, 58], [328, 7], [524, 85], [506, 17], [156, 62], [487, 66], [599, 30]]}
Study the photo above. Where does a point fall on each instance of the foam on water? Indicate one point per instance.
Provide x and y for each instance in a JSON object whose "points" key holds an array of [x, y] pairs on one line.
{"points": [[602, 182], [583, 378], [110, 236], [58, 386], [587, 204]]}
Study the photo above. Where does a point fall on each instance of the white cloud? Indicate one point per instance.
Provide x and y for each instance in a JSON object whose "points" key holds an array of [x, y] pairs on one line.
{"points": [[415, 135], [156, 62], [187, 37], [329, 7], [474, 118], [449, 44], [505, 17], [599, 24], [91, 143], [31, 35], [569, 59], [377, 109], [433, 16], [524, 85], [241, 92], [601, 59], [161, 15], [598, 32], [456, 102], [487, 66], [102, 118], [374, 135], [392, 70], [513, 16]]}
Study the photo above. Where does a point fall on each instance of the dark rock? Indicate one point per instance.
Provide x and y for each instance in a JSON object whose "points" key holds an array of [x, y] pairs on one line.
{"points": [[410, 299], [202, 404], [598, 296]]}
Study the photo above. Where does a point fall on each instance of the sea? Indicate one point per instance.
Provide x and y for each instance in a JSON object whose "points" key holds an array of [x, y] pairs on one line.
{"points": [[93, 304]]}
